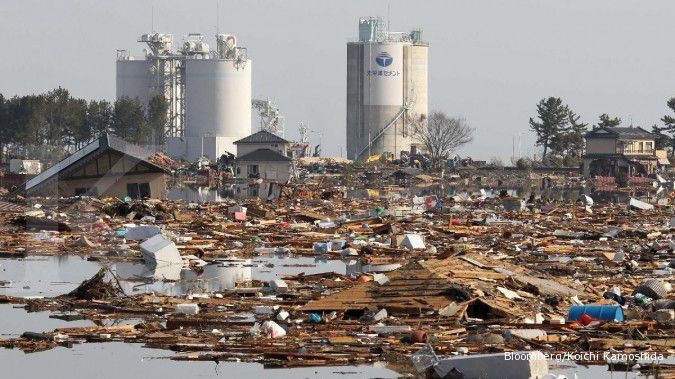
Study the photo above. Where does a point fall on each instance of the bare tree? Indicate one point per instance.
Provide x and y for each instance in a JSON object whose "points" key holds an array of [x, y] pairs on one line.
{"points": [[441, 134]]}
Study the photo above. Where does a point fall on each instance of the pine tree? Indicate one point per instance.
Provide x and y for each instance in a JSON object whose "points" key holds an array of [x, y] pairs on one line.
{"points": [[157, 118], [129, 121], [575, 139], [608, 121], [662, 140], [669, 122], [553, 119]]}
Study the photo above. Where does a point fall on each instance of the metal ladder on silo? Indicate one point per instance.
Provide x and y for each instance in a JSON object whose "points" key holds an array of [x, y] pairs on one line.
{"points": [[405, 108]]}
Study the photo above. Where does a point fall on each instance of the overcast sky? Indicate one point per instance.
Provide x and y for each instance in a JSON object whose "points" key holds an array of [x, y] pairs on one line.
{"points": [[489, 61]]}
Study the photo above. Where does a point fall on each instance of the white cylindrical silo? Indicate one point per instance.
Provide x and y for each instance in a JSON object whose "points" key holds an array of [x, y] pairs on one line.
{"points": [[218, 105], [383, 74], [133, 80], [386, 88]]}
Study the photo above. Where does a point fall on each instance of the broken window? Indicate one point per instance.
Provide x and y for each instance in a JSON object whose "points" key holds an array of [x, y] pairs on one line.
{"points": [[252, 171], [138, 190]]}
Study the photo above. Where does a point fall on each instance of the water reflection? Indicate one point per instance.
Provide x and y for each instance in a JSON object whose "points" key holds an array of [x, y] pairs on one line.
{"points": [[44, 276], [52, 276], [200, 194], [223, 192], [218, 276], [176, 280], [571, 370], [94, 360], [15, 321], [131, 271], [224, 274]]}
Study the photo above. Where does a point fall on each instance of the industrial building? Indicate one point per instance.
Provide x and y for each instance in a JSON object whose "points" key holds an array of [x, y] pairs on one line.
{"points": [[386, 89], [208, 92]]}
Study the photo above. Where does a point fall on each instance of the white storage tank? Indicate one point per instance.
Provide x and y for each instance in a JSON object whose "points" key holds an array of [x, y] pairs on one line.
{"points": [[218, 105], [134, 80], [386, 88], [209, 92]]}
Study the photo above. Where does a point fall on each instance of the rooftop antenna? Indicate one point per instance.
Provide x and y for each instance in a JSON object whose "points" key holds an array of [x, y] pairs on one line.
{"points": [[152, 18], [217, 16], [388, 15]]}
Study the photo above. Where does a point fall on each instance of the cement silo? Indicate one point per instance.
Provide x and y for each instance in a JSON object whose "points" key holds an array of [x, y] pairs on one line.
{"points": [[218, 103], [158, 72], [386, 87], [209, 92], [133, 78]]}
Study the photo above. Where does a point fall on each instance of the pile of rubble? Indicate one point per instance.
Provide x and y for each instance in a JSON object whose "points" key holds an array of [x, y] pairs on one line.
{"points": [[451, 276]]}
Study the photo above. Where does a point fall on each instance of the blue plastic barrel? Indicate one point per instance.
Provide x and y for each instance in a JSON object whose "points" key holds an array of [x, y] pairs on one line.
{"points": [[315, 317], [322, 247], [601, 312]]}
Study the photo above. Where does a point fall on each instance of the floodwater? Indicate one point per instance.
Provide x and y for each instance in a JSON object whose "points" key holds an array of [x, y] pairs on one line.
{"points": [[134, 361], [15, 320], [175, 280], [44, 276], [56, 275], [200, 194], [50, 276], [203, 194], [570, 369], [53, 276], [117, 360]]}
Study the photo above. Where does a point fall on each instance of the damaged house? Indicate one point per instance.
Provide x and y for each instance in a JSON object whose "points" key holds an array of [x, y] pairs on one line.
{"points": [[108, 166], [263, 155], [611, 151], [460, 287]]}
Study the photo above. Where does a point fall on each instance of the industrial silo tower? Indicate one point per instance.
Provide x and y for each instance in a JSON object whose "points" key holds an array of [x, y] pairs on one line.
{"points": [[217, 98], [208, 92], [158, 72], [386, 89]]}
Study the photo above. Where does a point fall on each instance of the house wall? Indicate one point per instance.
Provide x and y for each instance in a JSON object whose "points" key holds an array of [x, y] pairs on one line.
{"points": [[638, 147], [279, 171], [245, 148], [601, 146], [114, 185], [109, 185], [109, 175]]}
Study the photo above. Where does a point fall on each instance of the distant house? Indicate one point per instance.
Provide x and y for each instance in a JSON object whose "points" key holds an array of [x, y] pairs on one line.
{"points": [[263, 155], [108, 166], [404, 176], [618, 150]]}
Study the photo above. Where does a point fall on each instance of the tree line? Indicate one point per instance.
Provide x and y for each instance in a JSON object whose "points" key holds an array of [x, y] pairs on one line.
{"points": [[41, 125], [560, 132]]}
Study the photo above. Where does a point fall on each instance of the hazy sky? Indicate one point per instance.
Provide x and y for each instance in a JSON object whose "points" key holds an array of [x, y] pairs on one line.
{"points": [[489, 61]]}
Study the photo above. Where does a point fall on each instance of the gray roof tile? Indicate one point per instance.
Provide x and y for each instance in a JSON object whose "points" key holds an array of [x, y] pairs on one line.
{"points": [[264, 155], [262, 137]]}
